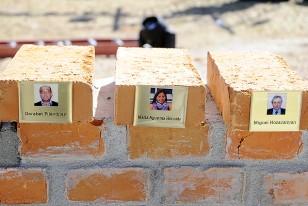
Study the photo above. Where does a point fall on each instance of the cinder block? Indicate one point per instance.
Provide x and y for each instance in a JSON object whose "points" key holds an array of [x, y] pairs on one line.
{"points": [[107, 185], [48, 140], [189, 185], [158, 67], [263, 145], [50, 64], [232, 76], [9, 143], [23, 186], [157, 143], [287, 188]]}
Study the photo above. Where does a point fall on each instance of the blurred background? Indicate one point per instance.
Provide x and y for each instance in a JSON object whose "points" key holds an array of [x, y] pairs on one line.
{"points": [[200, 26]]}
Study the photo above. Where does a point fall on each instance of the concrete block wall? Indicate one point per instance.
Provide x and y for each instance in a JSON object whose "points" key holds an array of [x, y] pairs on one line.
{"points": [[212, 165]]}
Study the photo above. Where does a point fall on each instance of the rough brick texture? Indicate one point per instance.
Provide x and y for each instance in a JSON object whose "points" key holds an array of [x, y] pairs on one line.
{"points": [[23, 186], [304, 114], [61, 139], [232, 76], [160, 67], [50, 64], [168, 142], [107, 185], [263, 145], [288, 188], [216, 185], [9, 108]]}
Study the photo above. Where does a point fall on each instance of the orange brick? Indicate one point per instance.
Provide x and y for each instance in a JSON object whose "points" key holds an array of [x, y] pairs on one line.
{"points": [[263, 145], [124, 115], [287, 188], [82, 98], [232, 76], [108, 185], [216, 185], [304, 114], [23, 186], [8, 102], [156, 142], [44, 139], [140, 66], [51, 64]]}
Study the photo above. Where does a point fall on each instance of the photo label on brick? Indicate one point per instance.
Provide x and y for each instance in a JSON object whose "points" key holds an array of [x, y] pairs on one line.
{"points": [[44, 102], [160, 106], [275, 111]]}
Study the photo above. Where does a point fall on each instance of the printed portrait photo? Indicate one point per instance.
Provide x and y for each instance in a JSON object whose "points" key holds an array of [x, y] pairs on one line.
{"points": [[46, 94], [161, 99], [276, 104]]}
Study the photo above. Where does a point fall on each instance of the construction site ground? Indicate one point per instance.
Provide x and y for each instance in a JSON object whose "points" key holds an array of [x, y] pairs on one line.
{"points": [[200, 26]]}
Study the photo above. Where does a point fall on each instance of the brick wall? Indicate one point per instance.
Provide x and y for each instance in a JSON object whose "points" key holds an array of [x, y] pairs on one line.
{"points": [[98, 162]]}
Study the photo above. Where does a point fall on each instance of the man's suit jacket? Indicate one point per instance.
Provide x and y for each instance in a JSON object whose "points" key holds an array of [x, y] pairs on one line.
{"points": [[270, 111], [40, 104]]}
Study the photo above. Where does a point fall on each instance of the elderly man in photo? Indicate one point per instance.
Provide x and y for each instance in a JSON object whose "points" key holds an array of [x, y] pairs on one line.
{"points": [[46, 95], [276, 110]]}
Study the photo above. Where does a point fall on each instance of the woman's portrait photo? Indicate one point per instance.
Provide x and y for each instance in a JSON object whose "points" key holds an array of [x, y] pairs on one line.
{"points": [[161, 99]]}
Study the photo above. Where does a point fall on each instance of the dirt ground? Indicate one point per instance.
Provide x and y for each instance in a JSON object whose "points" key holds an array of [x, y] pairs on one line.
{"points": [[200, 25]]}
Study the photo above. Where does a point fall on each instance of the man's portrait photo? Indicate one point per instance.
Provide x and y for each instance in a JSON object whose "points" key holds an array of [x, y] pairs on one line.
{"points": [[276, 105], [44, 96]]}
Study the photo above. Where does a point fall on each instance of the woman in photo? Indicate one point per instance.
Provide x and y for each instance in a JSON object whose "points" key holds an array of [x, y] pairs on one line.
{"points": [[160, 101]]}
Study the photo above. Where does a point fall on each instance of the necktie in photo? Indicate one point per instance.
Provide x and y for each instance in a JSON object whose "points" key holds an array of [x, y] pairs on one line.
{"points": [[276, 112]]}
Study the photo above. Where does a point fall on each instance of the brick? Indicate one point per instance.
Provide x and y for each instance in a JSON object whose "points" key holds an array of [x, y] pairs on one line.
{"points": [[304, 114], [158, 67], [107, 185], [288, 188], [215, 185], [51, 64], [9, 107], [23, 186], [82, 98], [124, 115], [263, 145], [44, 139], [232, 76], [168, 142]]}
